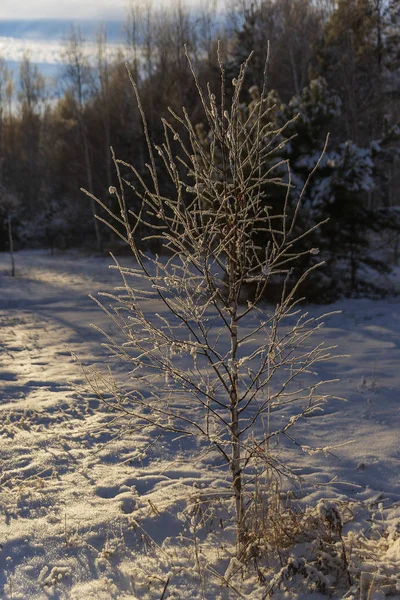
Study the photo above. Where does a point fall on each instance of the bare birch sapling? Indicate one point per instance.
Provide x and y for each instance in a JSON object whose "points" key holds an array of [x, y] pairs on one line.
{"points": [[201, 362]]}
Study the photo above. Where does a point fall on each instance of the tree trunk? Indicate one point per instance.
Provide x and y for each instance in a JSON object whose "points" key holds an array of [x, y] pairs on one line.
{"points": [[11, 242], [90, 188], [236, 468]]}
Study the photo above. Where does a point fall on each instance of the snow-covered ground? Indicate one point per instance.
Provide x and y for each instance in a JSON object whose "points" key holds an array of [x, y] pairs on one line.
{"points": [[86, 513]]}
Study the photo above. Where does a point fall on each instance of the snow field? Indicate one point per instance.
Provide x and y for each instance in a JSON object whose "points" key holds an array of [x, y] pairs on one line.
{"points": [[89, 513]]}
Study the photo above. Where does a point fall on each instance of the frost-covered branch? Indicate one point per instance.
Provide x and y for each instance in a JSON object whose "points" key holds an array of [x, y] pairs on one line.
{"points": [[203, 359]]}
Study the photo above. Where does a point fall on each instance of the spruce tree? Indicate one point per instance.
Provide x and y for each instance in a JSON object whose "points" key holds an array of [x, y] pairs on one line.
{"points": [[338, 193]]}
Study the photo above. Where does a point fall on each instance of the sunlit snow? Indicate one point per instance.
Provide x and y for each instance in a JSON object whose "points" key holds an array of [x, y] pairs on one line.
{"points": [[88, 514]]}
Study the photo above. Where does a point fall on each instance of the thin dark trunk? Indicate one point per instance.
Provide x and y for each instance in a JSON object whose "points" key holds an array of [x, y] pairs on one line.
{"points": [[353, 269], [236, 467], [11, 242], [90, 188], [294, 73], [108, 157], [236, 450]]}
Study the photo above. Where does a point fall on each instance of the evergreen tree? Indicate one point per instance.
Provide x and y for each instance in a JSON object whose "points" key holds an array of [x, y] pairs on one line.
{"points": [[337, 193]]}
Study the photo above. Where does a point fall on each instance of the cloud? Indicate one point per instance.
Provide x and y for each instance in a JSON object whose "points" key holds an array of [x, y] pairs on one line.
{"points": [[42, 51], [70, 9], [41, 39], [66, 9]]}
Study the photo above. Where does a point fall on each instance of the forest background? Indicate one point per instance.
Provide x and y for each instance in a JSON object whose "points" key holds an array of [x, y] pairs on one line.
{"points": [[333, 68]]}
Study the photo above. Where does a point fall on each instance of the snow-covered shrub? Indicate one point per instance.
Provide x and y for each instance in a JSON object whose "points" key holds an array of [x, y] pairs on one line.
{"points": [[236, 378], [332, 553]]}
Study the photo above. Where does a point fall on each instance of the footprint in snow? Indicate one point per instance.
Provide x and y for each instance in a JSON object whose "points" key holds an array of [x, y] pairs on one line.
{"points": [[142, 485]]}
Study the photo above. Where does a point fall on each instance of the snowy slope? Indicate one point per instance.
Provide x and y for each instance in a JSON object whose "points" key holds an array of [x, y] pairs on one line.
{"points": [[88, 513]]}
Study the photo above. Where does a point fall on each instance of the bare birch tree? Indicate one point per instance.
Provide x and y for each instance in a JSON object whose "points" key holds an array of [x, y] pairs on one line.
{"points": [[202, 362], [79, 78], [103, 90], [9, 205]]}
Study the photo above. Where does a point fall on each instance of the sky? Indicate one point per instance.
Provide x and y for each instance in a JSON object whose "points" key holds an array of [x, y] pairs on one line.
{"points": [[68, 9], [42, 40]]}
